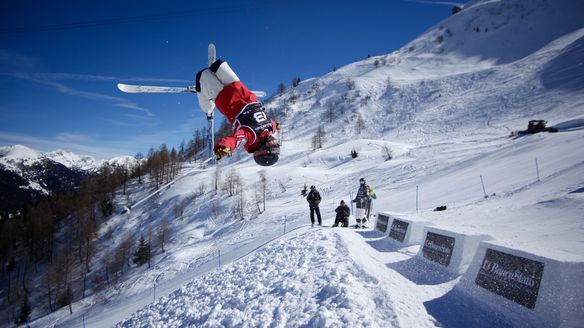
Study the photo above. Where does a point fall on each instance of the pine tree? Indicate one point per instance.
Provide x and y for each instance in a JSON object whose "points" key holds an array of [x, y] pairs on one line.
{"points": [[295, 81], [281, 88], [142, 255]]}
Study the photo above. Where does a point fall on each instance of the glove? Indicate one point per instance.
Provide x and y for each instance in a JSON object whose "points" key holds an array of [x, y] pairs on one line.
{"points": [[222, 152], [278, 127]]}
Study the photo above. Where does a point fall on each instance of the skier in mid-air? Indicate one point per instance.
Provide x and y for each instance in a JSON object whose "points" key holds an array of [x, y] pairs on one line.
{"points": [[219, 86]]}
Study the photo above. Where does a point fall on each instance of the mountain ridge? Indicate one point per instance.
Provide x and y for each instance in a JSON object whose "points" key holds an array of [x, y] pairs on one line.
{"points": [[28, 175]]}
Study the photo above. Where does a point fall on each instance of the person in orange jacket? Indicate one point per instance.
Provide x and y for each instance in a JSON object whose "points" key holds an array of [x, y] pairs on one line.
{"points": [[219, 86]]}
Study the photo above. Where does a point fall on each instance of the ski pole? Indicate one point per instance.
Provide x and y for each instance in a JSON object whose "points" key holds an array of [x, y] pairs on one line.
{"points": [[537, 169], [351, 200], [483, 184], [417, 192]]}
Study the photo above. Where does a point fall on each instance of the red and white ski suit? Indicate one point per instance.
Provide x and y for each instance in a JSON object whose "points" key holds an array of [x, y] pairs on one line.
{"points": [[231, 102]]}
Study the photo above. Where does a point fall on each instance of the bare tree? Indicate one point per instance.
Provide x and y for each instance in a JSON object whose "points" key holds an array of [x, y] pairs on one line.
{"points": [[319, 138], [201, 189], [122, 253], [163, 234], [216, 178], [350, 84], [329, 114], [386, 153], [239, 202], [258, 197], [263, 187], [179, 208], [215, 209], [232, 183], [359, 124]]}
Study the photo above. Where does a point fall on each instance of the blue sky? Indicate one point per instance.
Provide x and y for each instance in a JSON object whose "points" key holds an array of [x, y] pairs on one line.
{"points": [[60, 61]]}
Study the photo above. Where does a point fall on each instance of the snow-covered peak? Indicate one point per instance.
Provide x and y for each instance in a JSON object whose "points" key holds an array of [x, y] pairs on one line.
{"points": [[72, 160], [18, 152], [13, 157], [125, 161]]}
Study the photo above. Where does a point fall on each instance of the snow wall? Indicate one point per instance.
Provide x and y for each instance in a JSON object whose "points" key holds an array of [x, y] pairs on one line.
{"points": [[530, 290], [451, 250], [400, 230]]}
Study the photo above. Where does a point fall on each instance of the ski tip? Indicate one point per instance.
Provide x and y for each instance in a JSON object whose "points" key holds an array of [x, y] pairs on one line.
{"points": [[122, 87], [211, 54]]}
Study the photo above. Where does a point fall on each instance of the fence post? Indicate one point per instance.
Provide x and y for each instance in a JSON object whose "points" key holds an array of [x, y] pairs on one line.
{"points": [[285, 218], [83, 320], [417, 197], [219, 251], [154, 291], [483, 184], [537, 169]]}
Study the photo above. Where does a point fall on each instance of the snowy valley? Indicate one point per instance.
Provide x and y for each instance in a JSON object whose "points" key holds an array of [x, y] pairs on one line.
{"points": [[444, 106]]}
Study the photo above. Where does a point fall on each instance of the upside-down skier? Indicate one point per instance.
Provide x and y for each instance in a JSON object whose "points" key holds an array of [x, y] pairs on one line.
{"points": [[219, 86]]}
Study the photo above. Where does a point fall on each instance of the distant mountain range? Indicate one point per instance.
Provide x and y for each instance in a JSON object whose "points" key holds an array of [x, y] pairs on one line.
{"points": [[26, 175]]}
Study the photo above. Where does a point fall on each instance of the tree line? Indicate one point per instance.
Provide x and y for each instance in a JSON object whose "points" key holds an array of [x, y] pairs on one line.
{"points": [[48, 249]]}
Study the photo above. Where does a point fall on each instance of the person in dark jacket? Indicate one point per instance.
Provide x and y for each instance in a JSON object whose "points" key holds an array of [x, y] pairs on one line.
{"points": [[313, 200], [343, 212]]}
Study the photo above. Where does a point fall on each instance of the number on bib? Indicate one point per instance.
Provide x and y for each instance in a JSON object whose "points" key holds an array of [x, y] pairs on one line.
{"points": [[260, 117]]}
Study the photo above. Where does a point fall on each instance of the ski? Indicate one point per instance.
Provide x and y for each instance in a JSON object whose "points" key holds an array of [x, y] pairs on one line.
{"points": [[211, 54], [131, 88], [211, 58]]}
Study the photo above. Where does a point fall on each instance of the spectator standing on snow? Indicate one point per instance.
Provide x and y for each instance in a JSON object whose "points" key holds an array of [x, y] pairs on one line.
{"points": [[343, 212], [362, 200], [313, 200]]}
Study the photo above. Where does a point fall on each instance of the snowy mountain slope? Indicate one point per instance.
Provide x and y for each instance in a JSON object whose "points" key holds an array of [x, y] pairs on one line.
{"points": [[421, 89], [445, 116], [15, 156], [28, 175]]}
